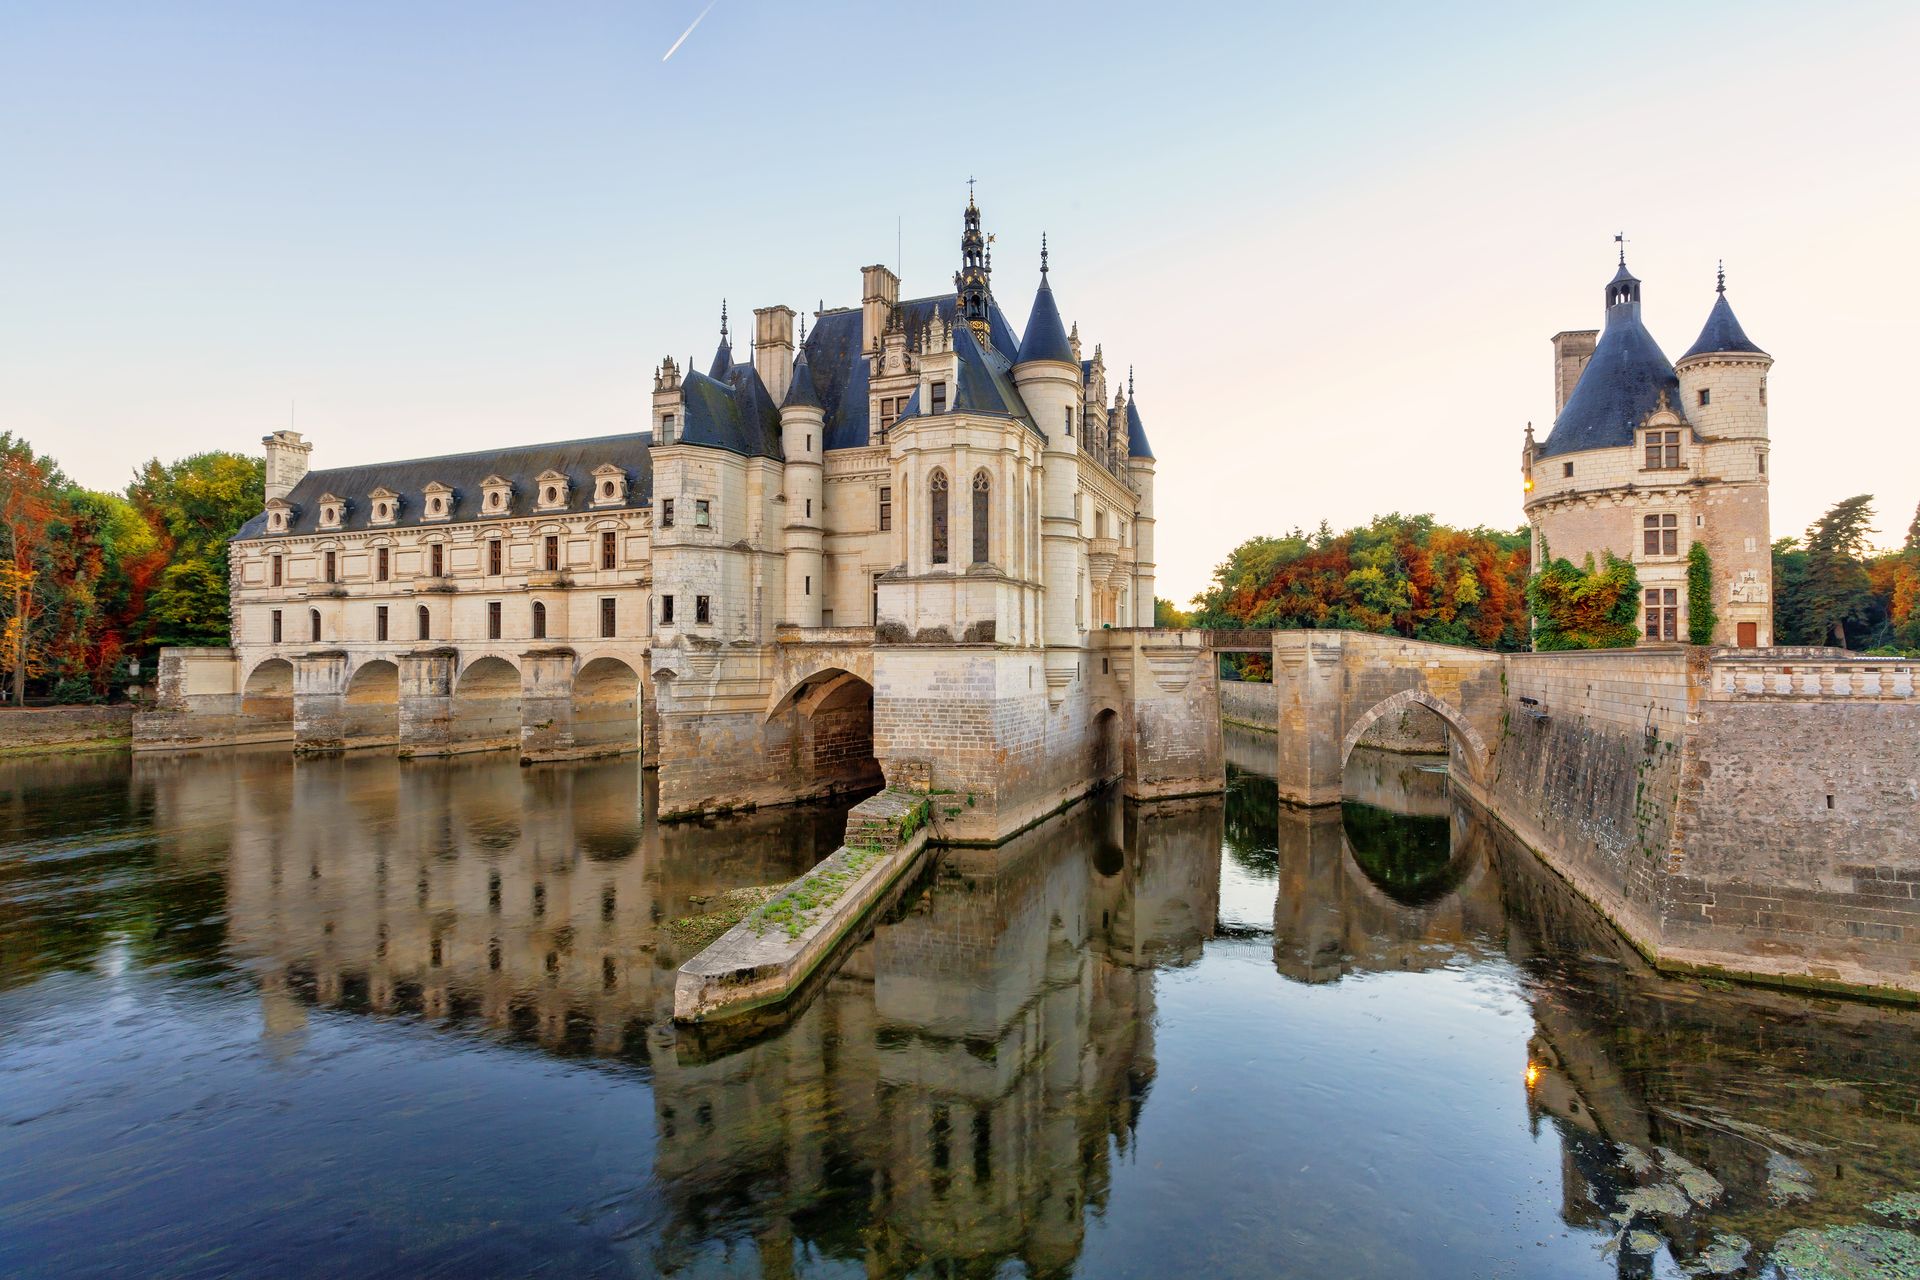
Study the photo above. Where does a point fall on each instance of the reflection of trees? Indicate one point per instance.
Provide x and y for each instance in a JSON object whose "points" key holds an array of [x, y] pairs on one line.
{"points": [[1252, 815], [1409, 858]]}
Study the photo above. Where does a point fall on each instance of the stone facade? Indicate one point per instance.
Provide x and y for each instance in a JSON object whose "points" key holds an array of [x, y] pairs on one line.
{"points": [[898, 541], [1647, 459]]}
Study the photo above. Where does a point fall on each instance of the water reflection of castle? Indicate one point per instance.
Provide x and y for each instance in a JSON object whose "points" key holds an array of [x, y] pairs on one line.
{"points": [[955, 1091]]}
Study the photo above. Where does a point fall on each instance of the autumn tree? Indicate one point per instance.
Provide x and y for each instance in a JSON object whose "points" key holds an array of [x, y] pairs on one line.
{"points": [[196, 505]]}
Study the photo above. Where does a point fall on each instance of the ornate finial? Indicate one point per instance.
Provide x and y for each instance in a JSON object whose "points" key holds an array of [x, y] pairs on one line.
{"points": [[969, 192], [803, 329], [1620, 238], [1129, 382], [1043, 253], [723, 320], [1720, 276]]}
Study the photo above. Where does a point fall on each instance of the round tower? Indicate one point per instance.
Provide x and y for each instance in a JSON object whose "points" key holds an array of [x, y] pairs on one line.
{"points": [[1140, 468], [1049, 380], [803, 440], [1723, 378]]}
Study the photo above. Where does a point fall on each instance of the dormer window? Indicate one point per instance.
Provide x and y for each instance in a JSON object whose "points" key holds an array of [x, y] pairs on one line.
{"points": [[439, 501], [496, 495], [1663, 450], [552, 491], [609, 486], [939, 397], [666, 428], [280, 515], [332, 510], [384, 504]]}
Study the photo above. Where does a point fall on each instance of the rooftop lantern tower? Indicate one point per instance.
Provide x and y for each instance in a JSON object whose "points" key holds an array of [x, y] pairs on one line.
{"points": [[973, 282]]}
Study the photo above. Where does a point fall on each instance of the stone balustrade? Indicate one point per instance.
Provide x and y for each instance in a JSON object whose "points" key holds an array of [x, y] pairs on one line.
{"points": [[1858, 679]]}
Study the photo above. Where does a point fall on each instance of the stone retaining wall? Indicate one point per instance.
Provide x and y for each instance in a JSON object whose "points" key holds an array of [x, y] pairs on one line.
{"points": [[32, 729]]}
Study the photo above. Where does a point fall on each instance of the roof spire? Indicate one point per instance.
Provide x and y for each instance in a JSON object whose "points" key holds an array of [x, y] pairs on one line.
{"points": [[969, 191], [1043, 253], [723, 321], [1620, 238], [1720, 276], [803, 328], [1129, 382]]}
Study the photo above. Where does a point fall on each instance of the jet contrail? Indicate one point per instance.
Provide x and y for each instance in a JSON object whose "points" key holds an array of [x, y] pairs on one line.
{"points": [[689, 31]]}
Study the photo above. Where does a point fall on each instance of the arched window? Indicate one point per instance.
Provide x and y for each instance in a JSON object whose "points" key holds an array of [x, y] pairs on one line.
{"points": [[937, 513], [539, 621], [313, 620], [982, 503], [426, 631]]}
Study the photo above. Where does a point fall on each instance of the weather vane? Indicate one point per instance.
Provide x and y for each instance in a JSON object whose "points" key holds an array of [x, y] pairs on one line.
{"points": [[1620, 238]]}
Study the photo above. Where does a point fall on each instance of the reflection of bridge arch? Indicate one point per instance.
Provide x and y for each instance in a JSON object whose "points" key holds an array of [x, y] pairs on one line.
{"points": [[266, 702], [372, 704], [606, 707], [486, 706], [1473, 746]]}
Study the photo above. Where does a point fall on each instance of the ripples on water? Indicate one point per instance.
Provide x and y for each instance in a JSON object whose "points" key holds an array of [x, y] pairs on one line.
{"points": [[398, 1019]]}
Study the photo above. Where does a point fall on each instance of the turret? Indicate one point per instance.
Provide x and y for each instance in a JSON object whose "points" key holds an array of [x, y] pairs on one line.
{"points": [[803, 439], [1723, 377], [1140, 468], [1049, 380], [723, 355], [972, 284]]}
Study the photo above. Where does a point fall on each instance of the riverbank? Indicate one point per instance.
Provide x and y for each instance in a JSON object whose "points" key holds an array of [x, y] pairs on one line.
{"points": [[33, 731]]}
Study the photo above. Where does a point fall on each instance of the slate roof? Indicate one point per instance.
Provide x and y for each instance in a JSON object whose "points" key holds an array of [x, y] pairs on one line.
{"points": [[801, 393], [1623, 382], [1137, 445], [732, 412], [1721, 333], [576, 459], [840, 366], [1045, 337]]}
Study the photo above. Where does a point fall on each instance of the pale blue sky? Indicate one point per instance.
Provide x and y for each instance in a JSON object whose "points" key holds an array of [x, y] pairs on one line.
{"points": [[1333, 239]]}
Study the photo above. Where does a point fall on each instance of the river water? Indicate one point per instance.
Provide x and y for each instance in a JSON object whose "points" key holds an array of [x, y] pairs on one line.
{"points": [[373, 1018]]}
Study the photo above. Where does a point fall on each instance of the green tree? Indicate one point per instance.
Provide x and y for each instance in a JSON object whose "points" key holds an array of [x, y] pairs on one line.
{"points": [[1584, 607], [1700, 615], [1836, 591], [1166, 614], [197, 503]]}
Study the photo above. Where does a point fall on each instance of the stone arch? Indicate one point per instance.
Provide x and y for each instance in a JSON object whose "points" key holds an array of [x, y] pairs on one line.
{"points": [[1106, 756], [606, 707], [829, 717], [1472, 745], [486, 706], [372, 713], [266, 702]]}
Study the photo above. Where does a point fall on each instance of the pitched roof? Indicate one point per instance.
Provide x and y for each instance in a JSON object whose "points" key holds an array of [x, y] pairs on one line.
{"points": [[1722, 333], [731, 411], [1045, 337], [465, 473], [801, 393], [1621, 385]]}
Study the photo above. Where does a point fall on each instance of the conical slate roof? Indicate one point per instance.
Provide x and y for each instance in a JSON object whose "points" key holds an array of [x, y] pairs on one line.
{"points": [[801, 393], [1137, 445], [1044, 338], [1722, 333], [1626, 379]]}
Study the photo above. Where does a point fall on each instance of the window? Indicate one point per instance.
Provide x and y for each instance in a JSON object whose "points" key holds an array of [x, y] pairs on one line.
{"points": [[437, 561], [1660, 535], [939, 397], [666, 428], [1069, 421], [702, 613], [886, 513], [809, 508], [380, 623], [702, 513], [609, 549], [666, 513], [333, 566], [313, 624], [982, 502], [606, 617], [1566, 469], [380, 563], [1663, 613], [279, 578], [606, 488], [553, 551], [276, 626], [494, 499], [1663, 449], [1763, 471], [809, 442], [808, 584], [1706, 395], [553, 494], [493, 557], [666, 608], [493, 619], [539, 621], [426, 627], [1763, 393], [937, 512]]}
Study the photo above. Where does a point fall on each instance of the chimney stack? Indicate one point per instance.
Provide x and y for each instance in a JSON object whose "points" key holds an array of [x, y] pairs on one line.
{"points": [[1572, 349], [773, 349], [879, 293], [286, 461]]}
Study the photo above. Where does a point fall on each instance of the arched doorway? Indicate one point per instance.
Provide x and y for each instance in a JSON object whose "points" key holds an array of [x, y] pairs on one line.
{"points": [[606, 708], [373, 705], [486, 707], [266, 703], [829, 716]]}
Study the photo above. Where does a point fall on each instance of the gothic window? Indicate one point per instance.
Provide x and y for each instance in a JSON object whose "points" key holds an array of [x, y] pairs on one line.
{"points": [[426, 630], [937, 512], [1663, 450], [886, 513], [609, 549], [982, 503], [539, 621], [1663, 613], [1660, 535]]}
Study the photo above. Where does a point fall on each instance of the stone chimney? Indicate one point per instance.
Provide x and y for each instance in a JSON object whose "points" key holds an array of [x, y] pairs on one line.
{"points": [[1572, 349], [879, 292], [773, 349], [286, 461]]}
